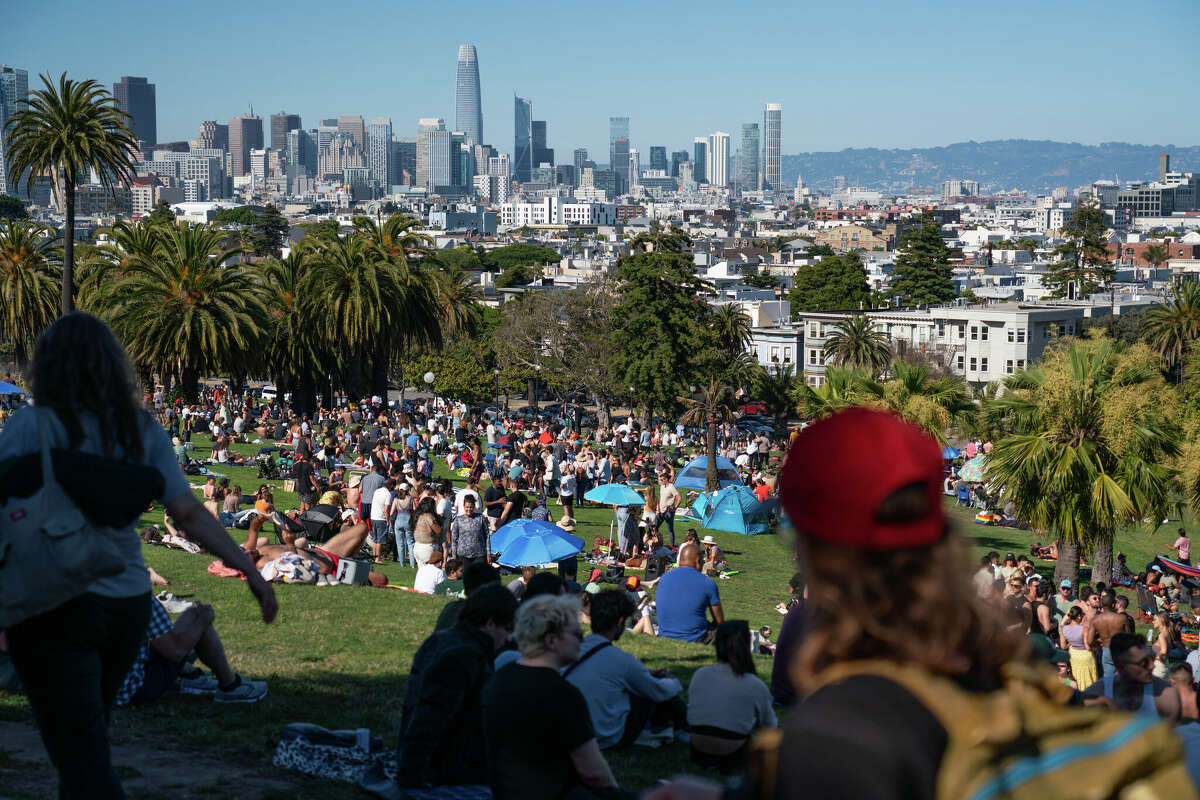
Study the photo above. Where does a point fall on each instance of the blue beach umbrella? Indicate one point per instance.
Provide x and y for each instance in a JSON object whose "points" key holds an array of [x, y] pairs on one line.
{"points": [[615, 494], [10, 388], [527, 542], [949, 453]]}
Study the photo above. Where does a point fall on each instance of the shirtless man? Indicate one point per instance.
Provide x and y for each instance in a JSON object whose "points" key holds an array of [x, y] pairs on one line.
{"points": [[1132, 685], [1099, 630], [344, 543], [1181, 679]]}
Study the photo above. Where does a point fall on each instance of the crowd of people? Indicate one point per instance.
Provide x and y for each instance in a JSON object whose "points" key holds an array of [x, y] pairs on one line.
{"points": [[889, 656]]}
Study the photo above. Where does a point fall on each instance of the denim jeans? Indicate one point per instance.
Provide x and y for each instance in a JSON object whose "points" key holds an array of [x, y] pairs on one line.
{"points": [[72, 661], [668, 517], [404, 540]]}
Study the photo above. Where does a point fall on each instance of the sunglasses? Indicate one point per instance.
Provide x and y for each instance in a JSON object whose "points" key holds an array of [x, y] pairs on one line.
{"points": [[1145, 663]]}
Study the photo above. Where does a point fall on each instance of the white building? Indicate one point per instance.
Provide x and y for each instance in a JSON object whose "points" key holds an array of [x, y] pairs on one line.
{"points": [[718, 158], [557, 211]]}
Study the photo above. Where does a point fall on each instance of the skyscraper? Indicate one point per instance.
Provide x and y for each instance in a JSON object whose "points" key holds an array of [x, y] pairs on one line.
{"points": [[302, 152], [772, 129], [678, 157], [379, 150], [353, 124], [749, 163], [635, 167], [14, 89], [213, 136], [281, 124], [468, 112], [522, 163], [618, 128], [433, 152], [717, 168], [658, 158], [245, 134], [541, 153], [700, 159], [135, 96], [620, 162]]}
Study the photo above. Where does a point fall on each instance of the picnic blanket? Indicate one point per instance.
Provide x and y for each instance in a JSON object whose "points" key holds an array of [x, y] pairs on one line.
{"points": [[219, 569]]}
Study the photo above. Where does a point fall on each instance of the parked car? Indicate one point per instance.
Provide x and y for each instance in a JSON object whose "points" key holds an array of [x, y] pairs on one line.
{"points": [[269, 392], [753, 407]]}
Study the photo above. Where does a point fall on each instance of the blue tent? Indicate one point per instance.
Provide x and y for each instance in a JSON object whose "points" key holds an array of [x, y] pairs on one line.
{"points": [[692, 475], [736, 509]]}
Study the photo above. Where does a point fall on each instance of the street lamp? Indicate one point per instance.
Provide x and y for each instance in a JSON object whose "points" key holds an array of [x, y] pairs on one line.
{"points": [[537, 379]]}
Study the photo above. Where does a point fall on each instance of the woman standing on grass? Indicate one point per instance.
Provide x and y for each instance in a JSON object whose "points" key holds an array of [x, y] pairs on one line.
{"points": [[1083, 661], [73, 659]]}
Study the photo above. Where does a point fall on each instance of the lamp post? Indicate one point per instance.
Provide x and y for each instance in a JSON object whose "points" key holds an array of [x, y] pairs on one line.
{"points": [[496, 375], [533, 393]]}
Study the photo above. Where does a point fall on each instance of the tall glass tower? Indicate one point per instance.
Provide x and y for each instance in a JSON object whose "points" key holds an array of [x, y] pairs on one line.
{"points": [[749, 162], [14, 91], [468, 112], [522, 164], [772, 126]]}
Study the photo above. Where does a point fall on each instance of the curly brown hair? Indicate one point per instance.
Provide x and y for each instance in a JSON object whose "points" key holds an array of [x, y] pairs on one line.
{"points": [[913, 606]]}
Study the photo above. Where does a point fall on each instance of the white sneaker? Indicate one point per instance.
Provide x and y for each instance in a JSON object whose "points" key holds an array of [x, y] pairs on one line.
{"points": [[173, 604], [201, 684], [647, 739], [245, 692]]}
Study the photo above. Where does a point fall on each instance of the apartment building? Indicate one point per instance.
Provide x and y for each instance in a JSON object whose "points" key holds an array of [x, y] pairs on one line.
{"points": [[982, 343]]}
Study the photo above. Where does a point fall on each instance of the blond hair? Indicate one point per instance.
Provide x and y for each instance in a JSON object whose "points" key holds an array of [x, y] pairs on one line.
{"points": [[543, 615]]}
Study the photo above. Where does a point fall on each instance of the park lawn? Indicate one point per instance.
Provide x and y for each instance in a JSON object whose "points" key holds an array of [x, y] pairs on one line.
{"points": [[339, 656]]}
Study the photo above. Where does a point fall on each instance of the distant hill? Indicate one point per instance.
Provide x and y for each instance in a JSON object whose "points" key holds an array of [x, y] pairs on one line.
{"points": [[1035, 166]]}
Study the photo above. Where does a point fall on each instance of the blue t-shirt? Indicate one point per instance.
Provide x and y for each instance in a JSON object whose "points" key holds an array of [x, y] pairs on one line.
{"points": [[683, 599]]}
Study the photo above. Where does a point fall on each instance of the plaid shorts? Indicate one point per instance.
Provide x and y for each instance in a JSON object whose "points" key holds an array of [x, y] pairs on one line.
{"points": [[380, 532]]}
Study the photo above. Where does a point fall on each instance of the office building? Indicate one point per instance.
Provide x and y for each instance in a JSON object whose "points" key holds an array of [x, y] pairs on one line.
{"points": [[281, 124], [542, 154], [353, 124], [677, 158], [959, 188], [468, 111], [462, 161], [258, 166], [245, 134], [499, 166], [749, 157], [772, 131], [658, 158], [14, 89], [135, 96], [340, 154], [379, 150], [564, 174], [635, 167], [618, 128], [404, 155], [607, 180], [301, 152], [433, 153], [213, 136], [522, 162], [580, 156], [620, 162], [700, 159], [717, 168]]}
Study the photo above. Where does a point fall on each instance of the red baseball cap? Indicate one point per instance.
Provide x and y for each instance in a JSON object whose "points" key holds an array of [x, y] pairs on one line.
{"points": [[840, 469]]}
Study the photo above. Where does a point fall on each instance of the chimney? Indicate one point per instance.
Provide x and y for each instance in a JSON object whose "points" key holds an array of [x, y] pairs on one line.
{"points": [[1164, 166]]}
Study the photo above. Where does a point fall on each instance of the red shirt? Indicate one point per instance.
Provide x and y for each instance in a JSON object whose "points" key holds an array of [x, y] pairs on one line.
{"points": [[763, 492]]}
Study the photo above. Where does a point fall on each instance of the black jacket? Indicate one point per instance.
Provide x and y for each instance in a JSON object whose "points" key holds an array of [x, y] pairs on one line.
{"points": [[441, 729]]}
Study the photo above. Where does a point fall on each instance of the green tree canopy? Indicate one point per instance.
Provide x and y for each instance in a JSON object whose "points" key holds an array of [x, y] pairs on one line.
{"points": [[517, 255], [834, 282], [12, 208], [518, 275], [1083, 260], [922, 274]]}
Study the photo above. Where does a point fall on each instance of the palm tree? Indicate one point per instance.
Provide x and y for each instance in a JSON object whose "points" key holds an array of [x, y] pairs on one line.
{"points": [[1173, 328], [63, 132], [181, 309], [130, 244], [396, 238], [932, 403], [731, 327], [1087, 449], [458, 300], [295, 354], [1154, 255], [837, 393], [856, 343], [777, 389], [30, 284], [714, 407]]}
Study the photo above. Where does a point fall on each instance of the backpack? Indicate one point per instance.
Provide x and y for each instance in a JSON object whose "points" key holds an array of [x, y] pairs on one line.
{"points": [[1023, 741]]}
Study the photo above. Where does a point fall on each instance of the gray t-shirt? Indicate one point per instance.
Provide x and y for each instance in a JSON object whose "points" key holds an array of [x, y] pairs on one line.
{"points": [[20, 436]]}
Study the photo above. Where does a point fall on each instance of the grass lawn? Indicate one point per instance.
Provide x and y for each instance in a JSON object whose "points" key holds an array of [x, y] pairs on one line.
{"points": [[339, 656]]}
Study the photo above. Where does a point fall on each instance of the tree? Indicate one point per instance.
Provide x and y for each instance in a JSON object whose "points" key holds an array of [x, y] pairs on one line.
{"points": [[12, 208], [30, 284], [463, 258], [931, 402], [265, 228], [64, 132], [776, 388], [296, 353], [459, 371], [1173, 328], [517, 255], [1088, 449], [161, 214], [714, 407], [922, 273], [1083, 261], [761, 279], [833, 282], [820, 251], [731, 327], [837, 393], [855, 342], [518, 275], [661, 341], [1155, 255], [182, 309]]}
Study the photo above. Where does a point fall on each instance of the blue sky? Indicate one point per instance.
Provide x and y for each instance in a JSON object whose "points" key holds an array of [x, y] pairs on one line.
{"points": [[848, 73]]}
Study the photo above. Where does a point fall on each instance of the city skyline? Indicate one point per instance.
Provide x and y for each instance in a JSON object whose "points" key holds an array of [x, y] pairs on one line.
{"points": [[1042, 92]]}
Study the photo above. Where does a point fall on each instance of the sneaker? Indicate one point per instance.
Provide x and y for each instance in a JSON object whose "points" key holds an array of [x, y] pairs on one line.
{"points": [[322, 580], [647, 739], [173, 604], [200, 684], [243, 692]]}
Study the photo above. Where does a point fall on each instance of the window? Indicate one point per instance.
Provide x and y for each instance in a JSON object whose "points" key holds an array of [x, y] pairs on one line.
{"points": [[814, 357], [983, 365], [960, 363], [1062, 330], [1008, 367], [813, 329], [974, 333], [941, 330], [983, 333], [973, 364], [1021, 335], [1020, 363], [1012, 335]]}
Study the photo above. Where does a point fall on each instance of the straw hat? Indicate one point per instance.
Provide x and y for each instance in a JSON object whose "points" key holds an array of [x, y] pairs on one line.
{"points": [[708, 540]]}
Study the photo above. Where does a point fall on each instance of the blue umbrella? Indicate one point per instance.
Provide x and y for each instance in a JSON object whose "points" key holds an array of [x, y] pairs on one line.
{"points": [[949, 453], [10, 388], [527, 542], [615, 494]]}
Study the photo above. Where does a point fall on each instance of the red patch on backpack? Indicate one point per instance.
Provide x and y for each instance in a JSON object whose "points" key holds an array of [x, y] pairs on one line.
{"points": [[19, 514]]}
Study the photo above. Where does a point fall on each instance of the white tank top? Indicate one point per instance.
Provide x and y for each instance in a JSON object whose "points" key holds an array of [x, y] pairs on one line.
{"points": [[1147, 707]]}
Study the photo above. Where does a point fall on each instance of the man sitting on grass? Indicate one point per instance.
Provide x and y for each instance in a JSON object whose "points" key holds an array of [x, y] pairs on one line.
{"points": [[685, 597], [166, 654]]}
